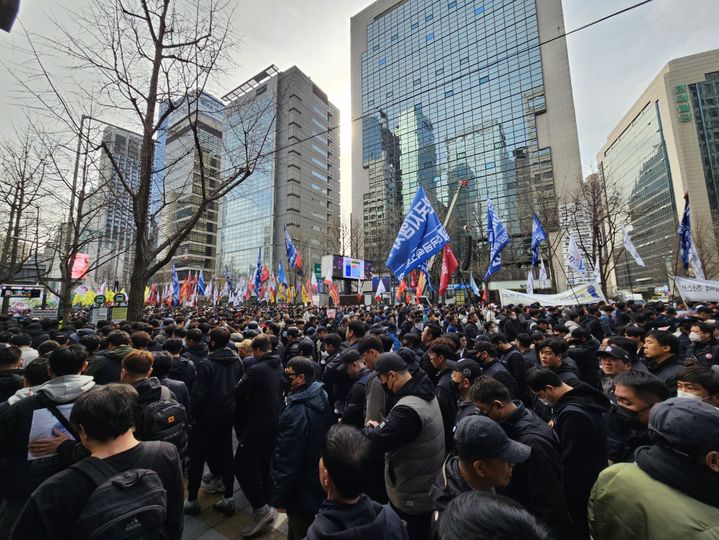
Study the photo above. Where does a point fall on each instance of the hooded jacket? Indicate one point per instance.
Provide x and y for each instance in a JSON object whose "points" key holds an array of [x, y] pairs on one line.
{"points": [[37, 334], [537, 483], [448, 485], [364, 520], [579, 422], [303, 424], [567, 372], [585, 357], [213, 394], [183, 369], [10, 382], [259, 397], [197, 353], [21, 476], [108, 364]]}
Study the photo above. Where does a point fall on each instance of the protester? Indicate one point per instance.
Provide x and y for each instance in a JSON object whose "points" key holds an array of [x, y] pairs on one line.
{"points": [[108, 364], [24, 343], [672, 490], [11, 378], [551, 357], [442, 357], [486, 355], [465, 372], [356, 404], [698, 382], [82, 499], [304, 421], [661, 349], [703, 344], [160, 368], [182, 368]]}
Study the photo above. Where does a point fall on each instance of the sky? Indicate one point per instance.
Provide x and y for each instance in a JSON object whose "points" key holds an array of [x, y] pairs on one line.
{"points": [[611, 63]]}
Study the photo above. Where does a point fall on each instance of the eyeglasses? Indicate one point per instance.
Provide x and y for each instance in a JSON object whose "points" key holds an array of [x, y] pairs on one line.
{"points": [[291, 375]]}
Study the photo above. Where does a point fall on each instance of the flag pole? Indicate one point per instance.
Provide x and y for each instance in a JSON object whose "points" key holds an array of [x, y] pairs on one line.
{"points": [[629, 272]]}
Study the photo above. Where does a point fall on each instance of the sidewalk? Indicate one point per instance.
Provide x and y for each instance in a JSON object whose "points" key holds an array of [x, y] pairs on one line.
{"points": [[211, 525]]}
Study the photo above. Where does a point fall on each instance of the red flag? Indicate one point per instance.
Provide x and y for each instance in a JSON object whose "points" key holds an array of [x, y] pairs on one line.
{"points": [[449, 267], [265, 273], [400, 290], [335, 294], [185, 289]]}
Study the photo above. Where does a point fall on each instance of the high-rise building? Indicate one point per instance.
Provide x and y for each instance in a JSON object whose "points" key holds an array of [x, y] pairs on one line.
{"points": [[180, 166], [461, 93], [112, 243], [286, 120], [666, 145]]}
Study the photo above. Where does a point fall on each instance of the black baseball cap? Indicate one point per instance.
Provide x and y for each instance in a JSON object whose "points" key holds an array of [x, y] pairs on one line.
{"points": [[479, 437], [469, 369], [615, 352], [389, 361], [686, 424], [349, 355]]}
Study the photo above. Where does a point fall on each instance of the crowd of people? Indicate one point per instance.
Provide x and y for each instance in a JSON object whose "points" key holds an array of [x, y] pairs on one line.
{"points": [[419, 422]]}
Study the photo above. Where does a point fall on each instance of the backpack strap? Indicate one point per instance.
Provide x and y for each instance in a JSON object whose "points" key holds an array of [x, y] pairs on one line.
{"points": [[165, 393], [52, 407], [98, 470]]}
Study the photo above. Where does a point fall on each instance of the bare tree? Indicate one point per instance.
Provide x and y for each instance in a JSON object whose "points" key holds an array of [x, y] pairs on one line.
{"points": [[704, 242]]}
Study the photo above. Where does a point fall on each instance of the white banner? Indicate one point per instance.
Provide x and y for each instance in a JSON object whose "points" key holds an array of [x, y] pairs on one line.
{"points": [[582, 294], [698, 290]]}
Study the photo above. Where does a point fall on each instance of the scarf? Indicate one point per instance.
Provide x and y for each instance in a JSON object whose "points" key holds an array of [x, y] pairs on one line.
{"points": [[679, 472]]}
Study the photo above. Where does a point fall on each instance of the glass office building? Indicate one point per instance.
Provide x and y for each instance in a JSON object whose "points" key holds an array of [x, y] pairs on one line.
{"points": [[450, 91]]}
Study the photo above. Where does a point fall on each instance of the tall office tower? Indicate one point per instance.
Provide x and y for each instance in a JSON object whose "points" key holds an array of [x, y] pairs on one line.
{"points": [[286, 120], [177, 192], [665, 145], [470, 99], [112, 220]]}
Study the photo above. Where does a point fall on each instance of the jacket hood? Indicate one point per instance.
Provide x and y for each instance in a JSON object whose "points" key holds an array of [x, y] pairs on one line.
{"points": [[312, 396], [419, 385], [22, 393], [584, 396], [272, 358], [66, 388], [148, 390], [364, 519], [567, 365], [224, 356], [119, 353], [200, 349]]}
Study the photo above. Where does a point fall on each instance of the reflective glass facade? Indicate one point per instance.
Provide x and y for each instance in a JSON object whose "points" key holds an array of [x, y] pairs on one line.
{"points": [[450, 92], [637, 163]]}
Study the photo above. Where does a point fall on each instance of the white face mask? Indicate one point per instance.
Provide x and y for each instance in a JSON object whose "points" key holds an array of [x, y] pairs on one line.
{"points": [[544, 402], [695, 338], [683, 394]]}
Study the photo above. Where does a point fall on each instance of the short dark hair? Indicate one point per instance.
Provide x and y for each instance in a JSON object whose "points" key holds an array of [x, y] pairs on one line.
{"points": [[21, 340], [633, 330], [345, 455], [581, 334], [305, 347], [35, 372], [487, 516], [666, 339], [10, 354], [172, 345], [303, 366], [645, 385], [140, 339], [486, 390], [370, 343], [46, 347], [90, 341], [539, 378], [335, 340], [220, 336], [116, 338], [387, 342], [705, 327], [138, 362], [262, 342], [359, 329], [434, 330], [497, 338], [105, 412], [703, 376], [444, 350], [194, 335], [161, 364], [525, 340], [68, 361], [557, 346]]}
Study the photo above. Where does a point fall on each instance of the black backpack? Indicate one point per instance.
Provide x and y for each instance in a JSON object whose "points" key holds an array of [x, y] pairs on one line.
{"points": [[164, 420], [127, 505]]}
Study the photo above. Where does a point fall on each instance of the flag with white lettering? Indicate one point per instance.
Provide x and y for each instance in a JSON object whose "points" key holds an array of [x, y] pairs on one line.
{"points": [[629, 246], [497, 238], [574, 256], [538, 236], [685, 234]]}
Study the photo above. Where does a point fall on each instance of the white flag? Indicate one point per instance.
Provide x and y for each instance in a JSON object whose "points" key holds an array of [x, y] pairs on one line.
{"points": [[696, 262], [574, 256], [629, 246], [530, 282], [542, 275], [380, 290], [597, 274], [328, 278], [473, 286]]}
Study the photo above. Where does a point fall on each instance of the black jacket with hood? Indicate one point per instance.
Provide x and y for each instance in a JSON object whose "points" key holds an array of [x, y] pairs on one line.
{"points": [[259, 396], [106, 367], [213, 394], [11, 380], [185, 370], [585, 357], [364, 520]]}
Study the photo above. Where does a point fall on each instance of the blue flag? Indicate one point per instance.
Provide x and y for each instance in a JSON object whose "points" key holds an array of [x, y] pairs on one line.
{"points": [[420, 236], [281, 275], [258, 273], [685, 234], [293, 256], [228, 280], [497, 238], [201, 284], [538, 236], [175, 287]]}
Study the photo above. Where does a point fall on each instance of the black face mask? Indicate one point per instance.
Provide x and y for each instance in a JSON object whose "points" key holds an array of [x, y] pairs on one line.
{"points": [[285, 384], [629, 418]]}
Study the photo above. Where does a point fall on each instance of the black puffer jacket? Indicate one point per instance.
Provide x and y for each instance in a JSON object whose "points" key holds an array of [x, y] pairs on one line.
{"points": [[449, 484], [667, 371], [364, 520], [197, 353], [303, 425], [585, 356], [213, 394], [537, 483], [567, 372], [185, 370], [259, 397]]}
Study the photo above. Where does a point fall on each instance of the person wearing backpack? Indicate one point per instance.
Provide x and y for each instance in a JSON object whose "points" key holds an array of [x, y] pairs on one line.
{"points": [[161, 417], [213, 413], [125, 489]]}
